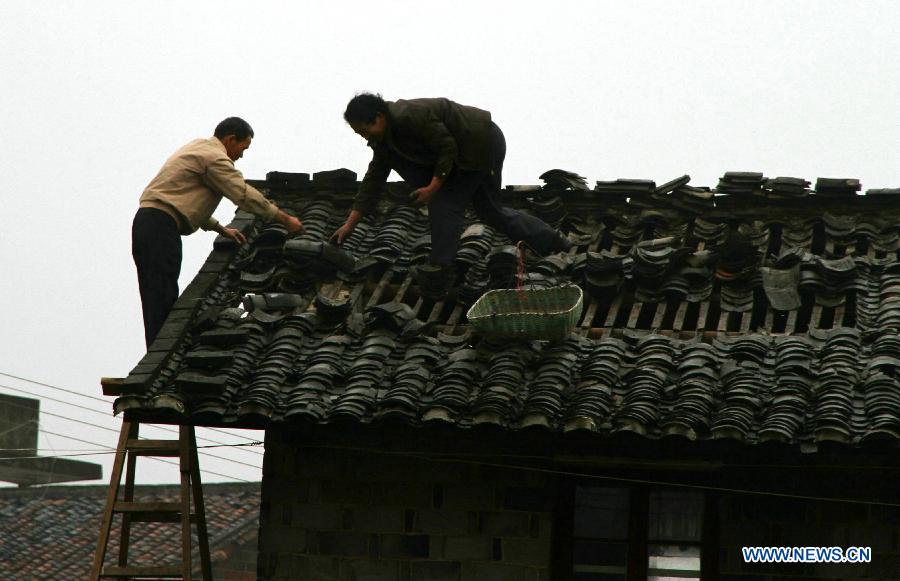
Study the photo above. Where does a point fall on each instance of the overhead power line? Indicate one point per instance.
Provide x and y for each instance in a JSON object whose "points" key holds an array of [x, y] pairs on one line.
{"points": [[107, 415], [104, 428], [106, 401], [113, 451]]}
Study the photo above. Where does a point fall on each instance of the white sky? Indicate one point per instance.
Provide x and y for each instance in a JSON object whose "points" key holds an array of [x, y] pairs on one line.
{"points": [[95, 95]]}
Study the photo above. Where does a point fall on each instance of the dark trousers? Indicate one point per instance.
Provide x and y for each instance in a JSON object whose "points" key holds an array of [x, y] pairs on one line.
{"points": [[156, 249], [447, 207]]}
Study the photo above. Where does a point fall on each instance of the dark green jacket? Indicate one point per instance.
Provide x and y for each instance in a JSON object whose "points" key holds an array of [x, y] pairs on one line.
{"points": [[432, 133]]}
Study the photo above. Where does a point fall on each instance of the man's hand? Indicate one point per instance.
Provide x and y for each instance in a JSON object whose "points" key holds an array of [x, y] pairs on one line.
{"points": [[343, 232], [231, 233], [422, 196], [293, 225], [234, 234]]}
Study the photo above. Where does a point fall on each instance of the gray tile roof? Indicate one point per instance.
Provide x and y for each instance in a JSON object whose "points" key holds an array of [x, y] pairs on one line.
{"points": [[768, 314], [51, 533]]}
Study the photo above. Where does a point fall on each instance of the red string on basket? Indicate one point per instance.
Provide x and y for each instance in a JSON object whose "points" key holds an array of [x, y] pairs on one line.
{"points": [[520, 272]]}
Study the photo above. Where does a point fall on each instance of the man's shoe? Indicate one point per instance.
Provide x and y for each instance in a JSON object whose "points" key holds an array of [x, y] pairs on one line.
{"points": [[434, 280]]}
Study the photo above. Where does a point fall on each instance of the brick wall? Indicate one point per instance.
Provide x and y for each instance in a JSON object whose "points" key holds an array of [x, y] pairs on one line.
{"points": [[345, 515]]}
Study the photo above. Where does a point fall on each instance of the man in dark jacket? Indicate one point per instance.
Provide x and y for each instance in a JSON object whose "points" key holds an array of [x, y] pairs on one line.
{"points": [[451, 154]]}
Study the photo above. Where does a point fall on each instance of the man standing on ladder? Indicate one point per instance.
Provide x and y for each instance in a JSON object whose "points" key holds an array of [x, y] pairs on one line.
{"points": [[181, 198]]}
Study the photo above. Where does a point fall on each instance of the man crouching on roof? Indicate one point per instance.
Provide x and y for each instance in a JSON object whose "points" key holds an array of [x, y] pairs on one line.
{"points": [[452, 154]]}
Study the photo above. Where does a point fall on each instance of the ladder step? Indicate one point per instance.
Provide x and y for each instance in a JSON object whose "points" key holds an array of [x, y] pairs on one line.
{"points": [[168, 572], [151, 511], [147, 507], [153, 447]]}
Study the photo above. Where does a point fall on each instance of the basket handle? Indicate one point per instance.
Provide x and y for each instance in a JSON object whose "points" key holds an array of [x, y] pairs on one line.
{"points": [[520, 271]]}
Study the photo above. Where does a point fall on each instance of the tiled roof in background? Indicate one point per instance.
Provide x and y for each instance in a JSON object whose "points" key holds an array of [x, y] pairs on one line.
{"points": [[51, 533], [769, 313]]}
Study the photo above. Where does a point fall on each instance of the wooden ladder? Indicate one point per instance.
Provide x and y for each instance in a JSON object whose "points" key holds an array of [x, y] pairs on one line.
{"points": [[129, 448]]}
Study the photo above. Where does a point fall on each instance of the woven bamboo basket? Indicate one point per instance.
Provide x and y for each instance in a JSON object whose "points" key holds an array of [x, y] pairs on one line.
{"points": [[548, 314]]}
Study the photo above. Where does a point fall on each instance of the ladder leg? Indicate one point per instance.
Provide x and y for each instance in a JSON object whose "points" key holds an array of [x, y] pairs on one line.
{"points": [[111, 495], [184, 440], [200, 510], [128, 496]]}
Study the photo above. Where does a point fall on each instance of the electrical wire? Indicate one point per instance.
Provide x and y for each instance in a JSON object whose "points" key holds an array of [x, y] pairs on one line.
{"points": [[420, 456], [113, 451], [106, 401], [51, 471], [254, 466], [104, 450], [16, 427], [106, 414]]}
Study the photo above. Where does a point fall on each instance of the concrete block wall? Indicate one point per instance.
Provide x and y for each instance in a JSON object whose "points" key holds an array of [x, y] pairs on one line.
{"points": [[336, 515], [240, 565]]}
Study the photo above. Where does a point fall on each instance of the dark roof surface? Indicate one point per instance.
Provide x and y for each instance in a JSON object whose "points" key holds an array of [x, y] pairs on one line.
{"points": [[51, 533], [769, 313]]}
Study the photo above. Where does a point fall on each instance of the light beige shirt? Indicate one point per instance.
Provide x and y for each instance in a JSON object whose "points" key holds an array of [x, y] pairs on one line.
{"points": [[192, 182]]}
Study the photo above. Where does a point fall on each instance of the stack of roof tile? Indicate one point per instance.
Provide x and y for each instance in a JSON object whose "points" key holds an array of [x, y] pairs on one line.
{"points": [[709, 233], [554, 376], [838, 374], [603, 272], [454, 378], [883, 191], [409, 379], [591, 403], [562, 180], [881, 389], [498, 400], [694, 397], [888, 309], [795, 380], [786, 188], [837, 187], [276, 362], [829, 279], [695, 200], [644, 384], [691, 279], [401, 226], [741, 183], [625, 188], [306, 395], [839, 230], [627, 230], [797, 232], [745, 380], [364, 375], [650, 267]]}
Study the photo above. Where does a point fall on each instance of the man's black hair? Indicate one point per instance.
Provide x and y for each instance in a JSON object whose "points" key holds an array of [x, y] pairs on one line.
{"points": [[364, 107], [234, 126]]}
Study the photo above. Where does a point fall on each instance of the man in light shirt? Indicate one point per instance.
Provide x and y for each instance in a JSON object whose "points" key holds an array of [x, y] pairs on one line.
{"points": [[182, 198]]}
